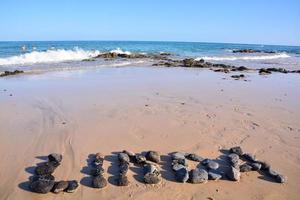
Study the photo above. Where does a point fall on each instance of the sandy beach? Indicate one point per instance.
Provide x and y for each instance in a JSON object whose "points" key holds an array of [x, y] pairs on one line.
{"points": [[107, 110]]}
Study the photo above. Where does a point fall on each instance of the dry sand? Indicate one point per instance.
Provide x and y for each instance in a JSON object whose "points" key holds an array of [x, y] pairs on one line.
{"points": [[164, 109]]}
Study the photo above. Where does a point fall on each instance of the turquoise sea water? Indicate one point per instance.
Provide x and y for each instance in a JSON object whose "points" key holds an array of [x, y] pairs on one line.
{"points": [[62, 54]]}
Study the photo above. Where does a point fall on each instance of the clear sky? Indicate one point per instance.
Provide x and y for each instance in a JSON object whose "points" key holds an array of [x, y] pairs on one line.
{"points": [[240, 21]]}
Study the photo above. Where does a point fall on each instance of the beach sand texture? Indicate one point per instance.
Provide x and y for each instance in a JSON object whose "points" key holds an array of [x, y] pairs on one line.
{"points": [[140, 109]]}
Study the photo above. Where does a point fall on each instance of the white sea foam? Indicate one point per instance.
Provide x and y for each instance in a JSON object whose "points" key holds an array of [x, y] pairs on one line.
{"points": [[49, 56], [120, 51], [233, 58]]}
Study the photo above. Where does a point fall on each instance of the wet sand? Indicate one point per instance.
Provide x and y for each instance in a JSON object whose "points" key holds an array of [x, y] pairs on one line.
{"points": [[77, 113]]}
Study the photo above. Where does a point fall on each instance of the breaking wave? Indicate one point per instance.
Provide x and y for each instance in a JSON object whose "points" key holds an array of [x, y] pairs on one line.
{"points": [[49, 56], [233, 58]]}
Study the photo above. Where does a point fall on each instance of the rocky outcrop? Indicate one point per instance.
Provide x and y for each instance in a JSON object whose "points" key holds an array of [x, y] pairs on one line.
{"points": [[10, 73]]}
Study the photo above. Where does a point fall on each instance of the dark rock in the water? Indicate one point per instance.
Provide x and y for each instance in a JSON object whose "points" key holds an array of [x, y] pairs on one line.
{"points": [[178, 155], [124, 167], [188, 62], [214, 175], [280, 70], [165, 54], [99, 182], [252, 51], [245, 168], [249, 157], [182, 175], [241, 68], [264, 71], [238, 76], [46, 168], [123, 180], [194, 157], [42, 184], [255, 166], [97, 170], [237, 150], [224, 70], [123, 157], [198, 176], [151, 178], [9, 73], [60, 186], [212, 165], [234, 174], [55, 157], [89, 59], [72, 186], [281, 178], [153, 156]]}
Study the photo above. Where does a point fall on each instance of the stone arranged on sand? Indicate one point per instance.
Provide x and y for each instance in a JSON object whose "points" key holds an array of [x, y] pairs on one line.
{"points": [[237, 150], [255, 166], [212, 165], [264, 165], [124, 167], [72, 186], [122, 180], [249, 157], [97, 170], [214, 175], [46, 168], [42, 183], [198, 176], [55, 157], [178, 156], [151, 174], [234, 174], [153, 156], [99, 159], [123, 157], [233, 159], [60, 186], [139, 159], [181, 162], [99, 182], [182, 175], [194, 157], [245, 168]]}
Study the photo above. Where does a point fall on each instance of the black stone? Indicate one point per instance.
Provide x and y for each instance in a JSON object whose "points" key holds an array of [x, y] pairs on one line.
{"points": [[60, 186], [72, 186], [153, 156], [99, 182]]}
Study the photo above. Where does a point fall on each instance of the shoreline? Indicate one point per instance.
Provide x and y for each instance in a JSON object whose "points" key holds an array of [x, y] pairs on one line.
{"points": [[82, 112]]}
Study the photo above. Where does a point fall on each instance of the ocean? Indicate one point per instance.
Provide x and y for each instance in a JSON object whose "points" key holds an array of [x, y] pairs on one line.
{"points": [[65, 55]]}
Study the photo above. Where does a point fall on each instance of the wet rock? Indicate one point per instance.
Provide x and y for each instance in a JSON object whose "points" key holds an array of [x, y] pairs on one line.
{"points": [[245, 168], [264, 71], [89, 59], [224, 70], [194, 157], [99, 182], [234, 174], [252, 51], [123, 180], [72, 186], [182, 175], [280, 70], [255, 166], [46, 168], [60, 186], [198, 176], [189, 62], [151, 178], [153, 156], [241, 68], [212, 165], [238, 76], [10, 73], [123, 157], [249, 157], [214, 175], [237, 150], [55, 157], [97, 170], [42, 184]]}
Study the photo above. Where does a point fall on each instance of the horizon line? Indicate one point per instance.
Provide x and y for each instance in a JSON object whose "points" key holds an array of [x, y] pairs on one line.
{"points": [[92, 40]]}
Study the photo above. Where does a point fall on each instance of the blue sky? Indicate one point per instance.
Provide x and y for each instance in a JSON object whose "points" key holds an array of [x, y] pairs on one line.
{"points": [[240, 21]]}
